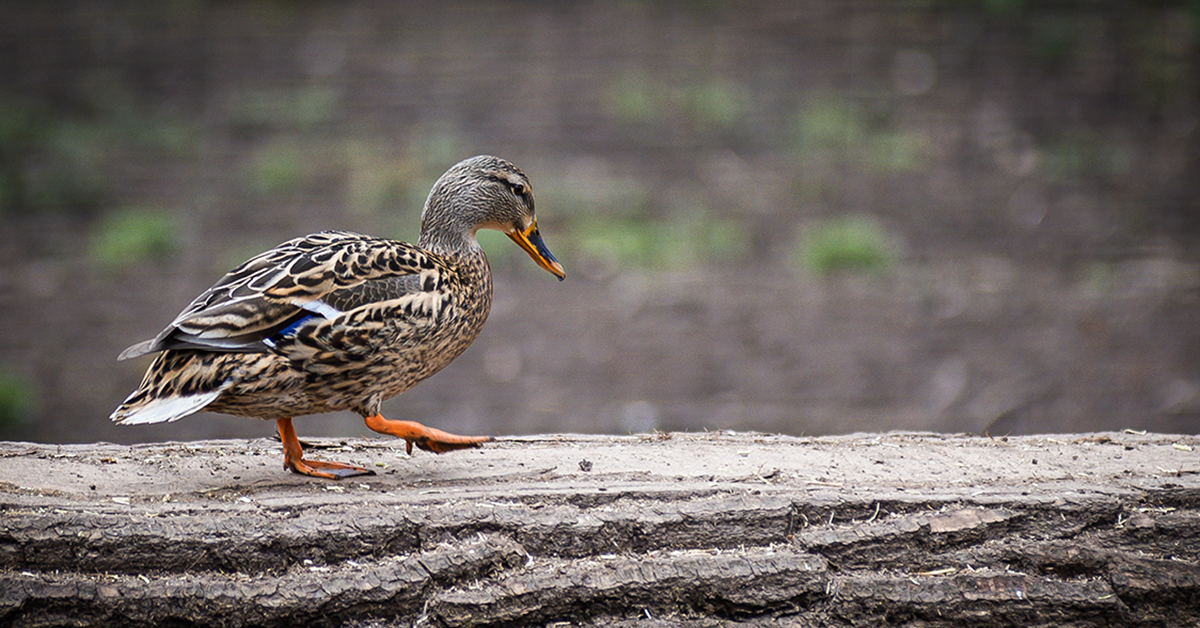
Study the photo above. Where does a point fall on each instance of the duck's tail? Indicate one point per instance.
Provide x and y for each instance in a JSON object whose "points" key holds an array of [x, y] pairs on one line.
{"points": [[160, 410], [176, 385]]}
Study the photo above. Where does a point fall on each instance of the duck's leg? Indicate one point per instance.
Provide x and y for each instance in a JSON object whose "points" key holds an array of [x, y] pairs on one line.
{"points": [[426, 438], [293, 458]]}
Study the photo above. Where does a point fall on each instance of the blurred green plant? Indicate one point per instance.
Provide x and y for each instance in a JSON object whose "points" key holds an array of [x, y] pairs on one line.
{"points": [[375, 181], [837, 129], [844, 244], [433, 149], [17, 400], [133, 235], [896, 151], [635, 98], [1079, 152], [828, 124], [679, 243], [717, 104], [713, 104], [275, 168]]}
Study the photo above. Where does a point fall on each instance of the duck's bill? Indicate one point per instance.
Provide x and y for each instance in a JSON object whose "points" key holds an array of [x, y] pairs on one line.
{"points": [[531, 242]]}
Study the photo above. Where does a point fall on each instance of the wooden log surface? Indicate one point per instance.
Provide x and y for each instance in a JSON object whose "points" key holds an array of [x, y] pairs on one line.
{"points": [[711, 529]]}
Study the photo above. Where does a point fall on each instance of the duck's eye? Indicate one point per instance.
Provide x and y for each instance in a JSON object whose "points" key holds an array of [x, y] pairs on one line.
{"points": [[518, 188]]}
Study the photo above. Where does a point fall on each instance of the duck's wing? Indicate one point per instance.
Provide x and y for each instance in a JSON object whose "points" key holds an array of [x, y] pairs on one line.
{"points": [[320, 275]]}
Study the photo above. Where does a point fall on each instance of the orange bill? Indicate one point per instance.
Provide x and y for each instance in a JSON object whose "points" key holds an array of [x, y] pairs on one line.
{"points": [[531, 242]]}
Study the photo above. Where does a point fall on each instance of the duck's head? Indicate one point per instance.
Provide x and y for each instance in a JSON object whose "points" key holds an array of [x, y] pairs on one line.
{"points": [[484, 192]]}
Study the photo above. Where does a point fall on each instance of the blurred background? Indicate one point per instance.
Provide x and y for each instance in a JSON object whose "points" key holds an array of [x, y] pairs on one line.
{"points": [[801, 217]]}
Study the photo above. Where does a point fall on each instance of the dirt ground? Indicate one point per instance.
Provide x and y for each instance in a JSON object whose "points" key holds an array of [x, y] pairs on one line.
{"points": [[703, 529]]}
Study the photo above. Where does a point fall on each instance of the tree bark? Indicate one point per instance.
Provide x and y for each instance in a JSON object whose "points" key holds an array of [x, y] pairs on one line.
{"points": [[713, 529]]}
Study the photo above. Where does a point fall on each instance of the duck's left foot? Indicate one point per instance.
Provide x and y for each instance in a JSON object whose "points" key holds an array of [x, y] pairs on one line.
{"points": [[293, 458], [327, 470], [427, 438]]}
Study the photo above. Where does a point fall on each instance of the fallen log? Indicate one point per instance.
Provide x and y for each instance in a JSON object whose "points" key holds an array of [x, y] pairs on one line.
{"points": [[712, 529]]}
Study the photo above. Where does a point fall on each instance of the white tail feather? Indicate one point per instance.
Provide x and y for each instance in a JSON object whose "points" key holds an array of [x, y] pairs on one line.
{"points": [[164, 410]]}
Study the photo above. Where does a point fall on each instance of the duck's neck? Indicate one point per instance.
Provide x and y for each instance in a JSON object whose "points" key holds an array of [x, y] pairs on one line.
{"points": [[468, 270], [451, 244]]}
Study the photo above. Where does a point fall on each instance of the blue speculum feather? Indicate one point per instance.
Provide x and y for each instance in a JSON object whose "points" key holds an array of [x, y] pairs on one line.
{"points": [[288, 331]]}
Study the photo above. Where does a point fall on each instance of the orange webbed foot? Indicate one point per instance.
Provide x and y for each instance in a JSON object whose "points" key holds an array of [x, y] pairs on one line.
{"points": [[327, 470], [293, 458], [427, 438]]}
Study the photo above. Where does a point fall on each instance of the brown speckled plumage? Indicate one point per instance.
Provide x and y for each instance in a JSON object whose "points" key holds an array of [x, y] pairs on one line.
{"points": [[342, 321]]}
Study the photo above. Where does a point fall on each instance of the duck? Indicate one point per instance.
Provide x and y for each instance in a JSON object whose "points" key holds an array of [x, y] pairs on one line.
{"points": [[341, 321]]}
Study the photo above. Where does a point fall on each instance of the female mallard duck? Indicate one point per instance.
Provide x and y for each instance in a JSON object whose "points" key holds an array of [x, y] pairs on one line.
{"points": [[342, 321]]}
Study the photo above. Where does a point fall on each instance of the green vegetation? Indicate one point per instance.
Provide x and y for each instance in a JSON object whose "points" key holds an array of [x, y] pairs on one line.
{"points": [[678, 243], [432, 149], [1078, 152], [17, 399], [711, 104], [376, 182], [635, 98], [840, 130], [277, 168], [845, 244], [716, 103], [133, 235], [828, 123], [896, 151]]}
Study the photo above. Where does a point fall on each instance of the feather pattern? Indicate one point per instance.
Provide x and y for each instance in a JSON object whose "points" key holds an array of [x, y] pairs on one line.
{"points": [[275, 289], [339, 320]]}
